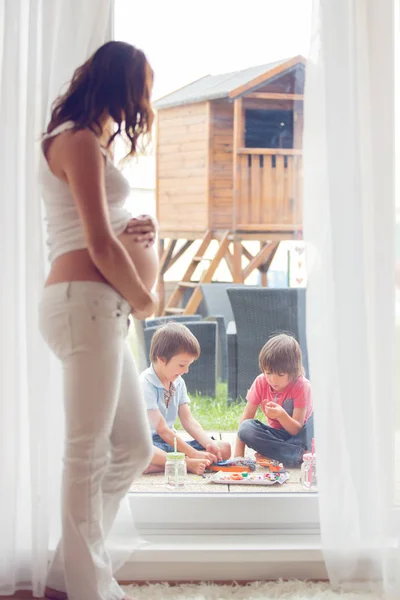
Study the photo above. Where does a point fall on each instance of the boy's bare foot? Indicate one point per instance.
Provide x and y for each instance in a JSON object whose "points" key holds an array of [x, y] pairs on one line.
{"points": [[197, 465], [54, 594]]}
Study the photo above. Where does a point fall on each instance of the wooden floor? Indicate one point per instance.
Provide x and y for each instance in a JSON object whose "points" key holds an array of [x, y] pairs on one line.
{"points": [[156, 483]]}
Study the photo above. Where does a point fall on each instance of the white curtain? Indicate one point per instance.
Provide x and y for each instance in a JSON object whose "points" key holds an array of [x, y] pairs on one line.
{"points": [[349, 227], [41, 43]]}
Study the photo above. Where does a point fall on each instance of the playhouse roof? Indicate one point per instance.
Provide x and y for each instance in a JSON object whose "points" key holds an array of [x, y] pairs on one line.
{"points": [[212, 87]]}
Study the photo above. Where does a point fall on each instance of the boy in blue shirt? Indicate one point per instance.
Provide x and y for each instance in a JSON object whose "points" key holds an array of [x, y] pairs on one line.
{"points": [[173, 349]]}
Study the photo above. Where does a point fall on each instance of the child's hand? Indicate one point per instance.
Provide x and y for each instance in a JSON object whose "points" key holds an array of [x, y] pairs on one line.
{"points": [[274, 411], [213, 448], [207, 455]]}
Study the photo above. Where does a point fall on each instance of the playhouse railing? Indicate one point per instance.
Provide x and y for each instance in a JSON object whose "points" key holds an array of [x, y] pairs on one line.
{"points": [[268, 189]]}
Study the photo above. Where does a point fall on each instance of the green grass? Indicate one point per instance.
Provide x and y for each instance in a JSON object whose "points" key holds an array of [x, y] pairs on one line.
{"points": [[214, 414]]}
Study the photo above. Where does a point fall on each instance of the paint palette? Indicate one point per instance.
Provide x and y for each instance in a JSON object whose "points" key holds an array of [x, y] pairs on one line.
{"points": [[246, 478], [237, 465]]}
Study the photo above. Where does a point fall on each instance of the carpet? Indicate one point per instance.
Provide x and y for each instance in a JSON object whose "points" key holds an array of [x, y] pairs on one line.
{"points": [[284, 590]]}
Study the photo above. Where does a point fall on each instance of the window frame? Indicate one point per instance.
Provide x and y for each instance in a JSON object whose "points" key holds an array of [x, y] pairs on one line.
{"points": [[285, 520], [219, 536]]}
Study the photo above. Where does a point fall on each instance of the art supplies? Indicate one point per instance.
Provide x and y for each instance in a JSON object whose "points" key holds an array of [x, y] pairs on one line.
{"points": [[235, 465], [246, 478], [273, 465]]}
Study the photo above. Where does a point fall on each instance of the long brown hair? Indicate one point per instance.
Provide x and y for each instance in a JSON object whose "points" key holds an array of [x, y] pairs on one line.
{"points": [[116, 80]]}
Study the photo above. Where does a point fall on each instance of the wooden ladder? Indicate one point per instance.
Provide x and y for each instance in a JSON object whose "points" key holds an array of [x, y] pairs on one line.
{"points": [[195, 298]]}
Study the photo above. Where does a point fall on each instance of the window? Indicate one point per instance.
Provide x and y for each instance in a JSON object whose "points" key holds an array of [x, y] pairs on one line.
{"points": [[268, 128], [225, 108]]}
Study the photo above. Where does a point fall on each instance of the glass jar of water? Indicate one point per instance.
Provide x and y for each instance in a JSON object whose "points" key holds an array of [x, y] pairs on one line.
{"points": [[175, 469]]}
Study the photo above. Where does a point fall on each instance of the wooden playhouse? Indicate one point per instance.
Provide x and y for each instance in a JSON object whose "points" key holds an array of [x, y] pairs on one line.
{"points": [[229, 160]]}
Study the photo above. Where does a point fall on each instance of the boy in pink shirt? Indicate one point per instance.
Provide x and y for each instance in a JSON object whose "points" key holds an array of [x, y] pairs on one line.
{"points": [[284, 395]]}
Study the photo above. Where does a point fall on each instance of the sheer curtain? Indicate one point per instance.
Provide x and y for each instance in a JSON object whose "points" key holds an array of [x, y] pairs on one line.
{"points": [[349, 227], [41, 42]]}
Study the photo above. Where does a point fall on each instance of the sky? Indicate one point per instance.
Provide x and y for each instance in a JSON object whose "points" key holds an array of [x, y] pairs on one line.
{"points": [[185, 40]]}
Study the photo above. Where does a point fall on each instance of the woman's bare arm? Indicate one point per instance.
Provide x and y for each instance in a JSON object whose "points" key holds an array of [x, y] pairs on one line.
{"points": [[82, 164]]}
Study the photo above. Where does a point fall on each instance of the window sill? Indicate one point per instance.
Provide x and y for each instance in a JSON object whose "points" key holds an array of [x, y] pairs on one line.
{"points": [[204, 537], [226, 557]]}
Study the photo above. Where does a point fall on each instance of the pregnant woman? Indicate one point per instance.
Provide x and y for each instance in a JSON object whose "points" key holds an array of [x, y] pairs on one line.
{"points": [[101, 271]]}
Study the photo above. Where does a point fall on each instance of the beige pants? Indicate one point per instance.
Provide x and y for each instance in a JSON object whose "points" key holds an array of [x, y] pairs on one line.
{"points": [[108, 439]]}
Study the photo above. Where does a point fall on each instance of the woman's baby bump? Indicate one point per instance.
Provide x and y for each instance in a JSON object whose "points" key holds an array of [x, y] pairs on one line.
{"points": [[145, 259]]}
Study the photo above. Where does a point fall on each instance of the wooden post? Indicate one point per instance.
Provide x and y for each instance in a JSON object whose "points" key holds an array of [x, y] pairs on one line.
{"points": [[160, 280], [208, 158], [207, 277], [263, 258], [237, 262], [263, 272], [238, 142]]}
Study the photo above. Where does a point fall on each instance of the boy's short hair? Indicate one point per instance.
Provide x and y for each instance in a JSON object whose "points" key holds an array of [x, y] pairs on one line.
{"points": [[282, 354], [172, 339]]}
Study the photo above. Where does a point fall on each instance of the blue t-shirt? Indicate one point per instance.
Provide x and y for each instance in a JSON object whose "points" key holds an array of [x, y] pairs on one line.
{"points": [[154, 396]]}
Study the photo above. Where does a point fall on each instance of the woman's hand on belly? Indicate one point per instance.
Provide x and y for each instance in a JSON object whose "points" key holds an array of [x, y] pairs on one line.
{"points": [[143, 229]]}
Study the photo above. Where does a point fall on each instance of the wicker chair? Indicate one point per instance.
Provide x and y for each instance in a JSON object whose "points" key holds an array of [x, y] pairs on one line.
{"points": [[222, 357], [216, 300], [231, 337], [216, 303], [202, 375], [259, 313]]}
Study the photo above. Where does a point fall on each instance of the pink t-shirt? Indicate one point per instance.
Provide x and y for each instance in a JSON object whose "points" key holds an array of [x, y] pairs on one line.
{"points": [[297, 394]]}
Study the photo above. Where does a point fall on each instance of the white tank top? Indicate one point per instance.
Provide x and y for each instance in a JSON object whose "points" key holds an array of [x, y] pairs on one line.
{"points": [[64, 227]]}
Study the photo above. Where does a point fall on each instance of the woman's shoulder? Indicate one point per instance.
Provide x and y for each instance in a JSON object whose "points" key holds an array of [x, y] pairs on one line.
{"points": [[70, 136], [74, 149], [80, 140]]}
